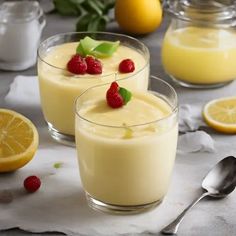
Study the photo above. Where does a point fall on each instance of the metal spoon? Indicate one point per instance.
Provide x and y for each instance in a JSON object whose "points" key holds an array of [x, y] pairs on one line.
{"points": [[219, 182]]}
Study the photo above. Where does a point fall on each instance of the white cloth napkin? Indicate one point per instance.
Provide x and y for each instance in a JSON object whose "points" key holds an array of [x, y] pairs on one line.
{"points": [[196, 142], [190, 120], [24, 92], [190, 117], [60, 203]]}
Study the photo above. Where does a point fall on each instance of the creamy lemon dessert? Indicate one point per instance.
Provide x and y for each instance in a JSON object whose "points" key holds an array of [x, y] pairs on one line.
{"points": [[126, 152], [200, 55], [59, 87]]}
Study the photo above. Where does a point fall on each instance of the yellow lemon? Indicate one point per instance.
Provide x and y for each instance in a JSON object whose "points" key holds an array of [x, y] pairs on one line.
{"points": [[18, 140], [138, 16], [220, 114]]}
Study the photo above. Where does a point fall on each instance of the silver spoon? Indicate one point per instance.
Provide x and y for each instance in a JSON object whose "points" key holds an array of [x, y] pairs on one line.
{"points": [[219, 182]]}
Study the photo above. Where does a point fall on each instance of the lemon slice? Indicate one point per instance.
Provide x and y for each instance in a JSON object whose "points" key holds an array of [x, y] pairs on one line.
{"points": [[220, 114], [18, 140]]}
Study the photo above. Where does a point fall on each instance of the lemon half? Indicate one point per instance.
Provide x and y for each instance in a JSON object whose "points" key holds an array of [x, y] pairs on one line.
{"points": [[18, 140]]}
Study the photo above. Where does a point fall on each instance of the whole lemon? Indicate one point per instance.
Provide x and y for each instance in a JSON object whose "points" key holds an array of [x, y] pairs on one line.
{"points": [[138, 16]]}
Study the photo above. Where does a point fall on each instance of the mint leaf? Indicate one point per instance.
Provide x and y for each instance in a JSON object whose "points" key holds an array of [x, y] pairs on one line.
{"points": [[126, 94], [80, 50], [106, 49], [89, 46]]}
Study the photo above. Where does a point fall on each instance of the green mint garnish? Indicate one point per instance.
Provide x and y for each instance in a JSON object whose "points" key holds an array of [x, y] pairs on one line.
{"points": [[126, 94], [100, 49], [105, 49], [57, 165]]}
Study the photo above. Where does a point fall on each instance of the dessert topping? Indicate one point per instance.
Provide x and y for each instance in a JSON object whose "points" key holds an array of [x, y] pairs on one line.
{"points": [[94, 66], [126, 66], [97, 48], [117, 96], [77, 65]]}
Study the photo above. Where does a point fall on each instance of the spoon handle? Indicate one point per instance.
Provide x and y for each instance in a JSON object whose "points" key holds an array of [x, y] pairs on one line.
{"points": [[172, 228]]}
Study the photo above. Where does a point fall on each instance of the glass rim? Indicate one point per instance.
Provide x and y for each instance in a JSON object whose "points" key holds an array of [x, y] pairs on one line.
{"points": [[224, 14], [36, 16], [174, 109], [100, 33]]}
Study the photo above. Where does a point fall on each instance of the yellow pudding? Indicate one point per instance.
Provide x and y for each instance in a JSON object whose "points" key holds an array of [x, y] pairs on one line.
{"points": [[200, 55], [59, 88], [126, 155]]}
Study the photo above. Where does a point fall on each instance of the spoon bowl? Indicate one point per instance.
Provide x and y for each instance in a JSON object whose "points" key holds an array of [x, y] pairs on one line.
{"points": [[221, 179]]}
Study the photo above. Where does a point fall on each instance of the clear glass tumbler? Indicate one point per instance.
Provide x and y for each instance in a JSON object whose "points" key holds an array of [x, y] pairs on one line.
{"points": [[125, 164], [59, 88]]}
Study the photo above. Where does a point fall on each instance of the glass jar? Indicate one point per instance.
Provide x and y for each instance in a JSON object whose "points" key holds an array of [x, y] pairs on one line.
{"points": [[199, 47], [21, 25]]}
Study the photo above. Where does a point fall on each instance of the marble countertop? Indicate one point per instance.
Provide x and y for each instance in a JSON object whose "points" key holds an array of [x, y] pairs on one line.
{"points": [[210, 217]]}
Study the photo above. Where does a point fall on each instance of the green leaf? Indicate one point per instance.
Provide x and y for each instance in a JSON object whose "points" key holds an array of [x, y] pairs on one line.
{"points": [[77, 2], [95, 6], [126, 94], [109, 4], [66, 7], [106, 49], [89, 44], [57, 165], [82, 23], [97, 23], [80, 50]]}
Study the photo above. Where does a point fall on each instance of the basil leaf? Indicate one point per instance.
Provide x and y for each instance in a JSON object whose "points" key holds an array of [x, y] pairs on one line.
{"points": [[93, 13], [126, 94], [66, 7], [97, 23], [82, 23], [95, 6]]}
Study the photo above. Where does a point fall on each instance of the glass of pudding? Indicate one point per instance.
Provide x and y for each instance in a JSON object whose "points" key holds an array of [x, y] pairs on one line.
{"points": [[126, 154], [59, 88], [199, 47]]}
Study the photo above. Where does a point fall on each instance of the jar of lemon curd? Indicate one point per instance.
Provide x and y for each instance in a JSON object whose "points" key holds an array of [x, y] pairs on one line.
{"points": [[199, 47]]}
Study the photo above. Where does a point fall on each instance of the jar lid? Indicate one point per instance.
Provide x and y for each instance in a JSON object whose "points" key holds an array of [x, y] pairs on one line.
{"points": [[19, 12], [203, 11]]}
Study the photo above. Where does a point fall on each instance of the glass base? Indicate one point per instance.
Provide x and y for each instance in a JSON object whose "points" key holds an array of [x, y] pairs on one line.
{"points": [[65, 139], [198, 86], [117, 209]]}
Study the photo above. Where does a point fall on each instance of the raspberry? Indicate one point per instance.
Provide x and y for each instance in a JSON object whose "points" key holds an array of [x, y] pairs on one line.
{"points": [[114, 99], [77, 65], [89, 60], [126, 66], [94, 65], [32, 184], [114, 87]]}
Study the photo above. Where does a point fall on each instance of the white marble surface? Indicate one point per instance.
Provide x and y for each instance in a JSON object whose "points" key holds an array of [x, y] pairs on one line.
{"points": [[209, 217]]}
